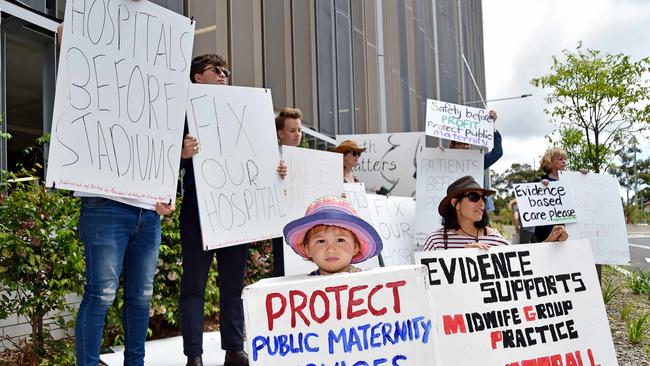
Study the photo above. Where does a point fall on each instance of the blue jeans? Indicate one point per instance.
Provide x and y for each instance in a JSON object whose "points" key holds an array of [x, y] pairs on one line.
{"points": [[117, 238]]}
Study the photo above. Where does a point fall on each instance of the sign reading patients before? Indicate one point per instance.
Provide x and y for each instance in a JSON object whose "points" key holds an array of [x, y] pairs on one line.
{"points": [[600, 212], [377, 317], [119, 107], [519, 305], [310, 174], [394, 220], [459, 123], [239, 192], [437, 169], [544, 205], [390, 161]]}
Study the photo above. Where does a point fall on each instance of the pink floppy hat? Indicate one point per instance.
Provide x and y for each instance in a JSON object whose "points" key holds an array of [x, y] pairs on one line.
{"points": [[334, 211]]}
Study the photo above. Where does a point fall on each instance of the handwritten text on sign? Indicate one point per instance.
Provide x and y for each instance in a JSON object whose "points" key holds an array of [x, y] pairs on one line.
{"points": [[436, 171], [120, 99], [389, 161], [239, 193], [459, 123], [364, 318], [599, 207], [394, 219], [519, 305], [544, 205]]}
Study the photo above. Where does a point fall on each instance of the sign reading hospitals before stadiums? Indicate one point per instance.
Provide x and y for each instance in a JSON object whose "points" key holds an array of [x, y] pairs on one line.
{"points": [[459, 123], [519, 305], [239, 192], [119, 107], [377, 317]]}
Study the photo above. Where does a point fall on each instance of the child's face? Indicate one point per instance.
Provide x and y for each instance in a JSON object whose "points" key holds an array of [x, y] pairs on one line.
{"points": [[291, 133], [332, 249]]}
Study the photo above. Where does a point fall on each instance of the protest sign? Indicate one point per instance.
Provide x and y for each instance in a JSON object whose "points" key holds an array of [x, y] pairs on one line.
{"points": [[459, 123], [394, 220], [437, 169], [389, 161], [356, 195], [310, 174], [376, 317], [545, 205], [120, 100], [600, 215], [239, 192], [532, 304]]}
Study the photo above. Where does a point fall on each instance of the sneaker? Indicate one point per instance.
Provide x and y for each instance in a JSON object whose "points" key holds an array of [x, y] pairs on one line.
{"points": [[236, 358]]}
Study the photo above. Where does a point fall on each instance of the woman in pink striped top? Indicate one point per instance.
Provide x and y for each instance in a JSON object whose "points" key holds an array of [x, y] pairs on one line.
{"points": [[466, 223]]}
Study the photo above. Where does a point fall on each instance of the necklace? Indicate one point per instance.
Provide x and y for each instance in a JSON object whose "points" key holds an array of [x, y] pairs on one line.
{"points": [[468, 234]]}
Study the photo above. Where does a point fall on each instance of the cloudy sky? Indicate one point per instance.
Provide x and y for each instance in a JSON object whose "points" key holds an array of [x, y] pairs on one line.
{"points": [[521, 36]]}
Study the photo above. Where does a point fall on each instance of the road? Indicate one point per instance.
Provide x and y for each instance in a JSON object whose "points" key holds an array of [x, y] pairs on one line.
{"points": [[640, 251]]}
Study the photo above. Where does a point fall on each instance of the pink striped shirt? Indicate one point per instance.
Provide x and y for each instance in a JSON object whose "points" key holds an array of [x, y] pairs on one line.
{"points": [[435, 240]]}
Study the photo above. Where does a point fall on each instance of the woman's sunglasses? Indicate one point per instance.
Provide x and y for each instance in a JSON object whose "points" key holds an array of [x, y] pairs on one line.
{"points": [[472, 196], [354, 153]]}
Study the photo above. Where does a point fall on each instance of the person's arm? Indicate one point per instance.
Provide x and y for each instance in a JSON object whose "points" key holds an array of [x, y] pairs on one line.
{"points": [[495, 154]]}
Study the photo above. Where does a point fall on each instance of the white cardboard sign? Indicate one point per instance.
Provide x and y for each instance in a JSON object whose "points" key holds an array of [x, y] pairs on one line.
{"points": [[532, 304], [239, 192], [437, 169], [459, 123], [120, 100], [390, 160], [600, 215], [310, 174], [394, 220], [545, 205], [376, 317]]}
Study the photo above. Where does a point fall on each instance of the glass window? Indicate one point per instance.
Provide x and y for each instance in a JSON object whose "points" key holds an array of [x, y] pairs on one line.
{"points": [[325, 55]]}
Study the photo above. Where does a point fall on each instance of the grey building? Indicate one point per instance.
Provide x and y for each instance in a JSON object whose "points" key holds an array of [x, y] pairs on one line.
{"points": [[351, 66]]}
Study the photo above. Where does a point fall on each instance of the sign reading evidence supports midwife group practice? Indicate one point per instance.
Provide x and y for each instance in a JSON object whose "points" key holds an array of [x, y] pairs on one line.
{"points": [[120, 100], [545, 205], [459, 123], [239, 193], [375, 317], [534, 304]]}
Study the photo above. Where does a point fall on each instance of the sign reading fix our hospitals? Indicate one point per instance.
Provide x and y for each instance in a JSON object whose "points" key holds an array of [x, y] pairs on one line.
{"points": [[239, 192], [533, 304], [390, 161], [545, 205], [394, 219], [377, 317], [120, 100], [459, 123]]}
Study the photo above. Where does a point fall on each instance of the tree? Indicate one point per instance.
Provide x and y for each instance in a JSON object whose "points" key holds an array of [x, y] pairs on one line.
{"points": [[517, 173], [603, 96], [626, 172]]}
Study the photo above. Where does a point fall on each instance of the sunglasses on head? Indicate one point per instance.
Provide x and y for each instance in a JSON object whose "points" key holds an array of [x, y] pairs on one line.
{"points": [[219, 70], [472, 196], [354, 153]]}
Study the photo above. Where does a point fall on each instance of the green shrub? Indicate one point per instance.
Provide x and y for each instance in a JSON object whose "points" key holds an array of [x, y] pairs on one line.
{"points": [[609, 289], [637, 327], [638, 281]]}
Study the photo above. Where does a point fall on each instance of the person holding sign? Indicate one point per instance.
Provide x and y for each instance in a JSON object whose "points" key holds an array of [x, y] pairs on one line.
{"points": [[553, 161], [466, 223], [208, 69], [333, 236], [351, 153], [289, 129]]}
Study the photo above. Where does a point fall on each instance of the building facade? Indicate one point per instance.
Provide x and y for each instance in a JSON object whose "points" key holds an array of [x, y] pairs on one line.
{"points": [[351, 66]]}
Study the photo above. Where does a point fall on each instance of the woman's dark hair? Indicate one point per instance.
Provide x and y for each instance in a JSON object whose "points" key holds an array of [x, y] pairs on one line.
{"points": [[450, 220]]}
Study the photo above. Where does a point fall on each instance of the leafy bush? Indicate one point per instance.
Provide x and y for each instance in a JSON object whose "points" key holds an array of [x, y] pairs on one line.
{"points": [[639, 282], [609, 289], [637, 326]]}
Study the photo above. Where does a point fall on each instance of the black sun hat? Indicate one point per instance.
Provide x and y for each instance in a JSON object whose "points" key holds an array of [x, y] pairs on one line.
{"points": [[460, 186]]}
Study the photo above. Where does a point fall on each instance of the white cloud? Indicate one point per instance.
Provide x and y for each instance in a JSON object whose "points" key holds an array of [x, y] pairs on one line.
{"points": [[520, 38]]}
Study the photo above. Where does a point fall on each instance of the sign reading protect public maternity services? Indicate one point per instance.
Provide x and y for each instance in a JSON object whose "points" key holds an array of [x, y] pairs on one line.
{"points": [[533, 304], [239, 192], [390, 161], [459, 123], [120, 100], [376, 317], [600, 213], [437, 169], [545, 205]]}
